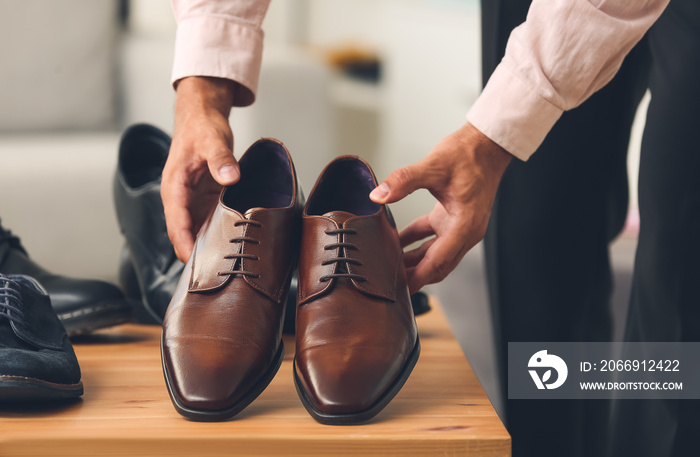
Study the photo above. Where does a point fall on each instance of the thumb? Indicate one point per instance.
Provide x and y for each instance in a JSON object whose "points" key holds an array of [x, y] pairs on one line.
{"points": [[399, 184], [223, 166]]}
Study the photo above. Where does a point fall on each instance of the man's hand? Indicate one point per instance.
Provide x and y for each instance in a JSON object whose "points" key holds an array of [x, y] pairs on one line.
{"points": [[201, 158], [462, 172]]}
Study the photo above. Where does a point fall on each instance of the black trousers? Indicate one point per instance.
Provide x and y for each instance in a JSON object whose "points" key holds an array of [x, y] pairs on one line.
{"points": [[547, 261]]}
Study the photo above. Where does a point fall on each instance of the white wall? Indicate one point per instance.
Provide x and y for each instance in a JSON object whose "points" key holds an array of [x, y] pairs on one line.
{"points": [[58, 64]]}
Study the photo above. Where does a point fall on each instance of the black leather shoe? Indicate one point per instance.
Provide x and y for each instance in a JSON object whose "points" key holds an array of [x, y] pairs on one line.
{"points": [[149, 268], [82, 305], [37, 361]]}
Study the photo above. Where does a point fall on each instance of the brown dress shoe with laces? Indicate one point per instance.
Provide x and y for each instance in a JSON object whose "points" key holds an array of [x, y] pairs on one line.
{"points": [[222, 333], [356, 338]]}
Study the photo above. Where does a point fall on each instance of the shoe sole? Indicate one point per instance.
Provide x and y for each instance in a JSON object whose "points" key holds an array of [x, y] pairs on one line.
{"points": [[367, 414], [85, 320], [22, 389], [202, 415]]}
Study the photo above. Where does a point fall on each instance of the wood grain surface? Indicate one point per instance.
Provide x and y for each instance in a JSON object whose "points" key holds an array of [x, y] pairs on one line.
{"points": [[442, 410]]}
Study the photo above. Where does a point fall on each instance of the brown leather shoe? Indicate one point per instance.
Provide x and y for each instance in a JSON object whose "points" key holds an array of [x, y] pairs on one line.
{"points": [[356, 340], [222, 333]]}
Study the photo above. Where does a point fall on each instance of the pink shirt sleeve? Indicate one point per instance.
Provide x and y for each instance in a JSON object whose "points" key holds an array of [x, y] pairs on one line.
{"points": [[564, 52], [220, 38]]}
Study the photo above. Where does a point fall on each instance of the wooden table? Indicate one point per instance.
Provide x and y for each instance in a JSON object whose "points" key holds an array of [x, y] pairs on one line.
{"points": [[442, 410]]}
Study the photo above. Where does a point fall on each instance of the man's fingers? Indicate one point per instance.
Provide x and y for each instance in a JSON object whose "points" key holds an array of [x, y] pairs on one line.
{"points": [[183, 242], [175, 195], [222, 165], [416, 230], [179, 223], [441, 257], [401, 182], [413, 257]]}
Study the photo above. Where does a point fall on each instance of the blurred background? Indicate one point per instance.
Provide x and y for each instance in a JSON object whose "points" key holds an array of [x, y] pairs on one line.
{"points": [[382, 79]]}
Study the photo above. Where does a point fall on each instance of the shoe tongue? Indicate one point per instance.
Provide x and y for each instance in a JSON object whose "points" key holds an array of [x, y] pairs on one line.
{"points": [[339, 216], [251, 211]]}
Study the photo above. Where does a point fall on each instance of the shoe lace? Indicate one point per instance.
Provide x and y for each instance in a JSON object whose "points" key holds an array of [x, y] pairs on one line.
{"points": [[342, 260], [240, 255], [9, 294]]}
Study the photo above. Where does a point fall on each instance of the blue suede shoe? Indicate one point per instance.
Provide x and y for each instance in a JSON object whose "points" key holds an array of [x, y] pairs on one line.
{"points": [[37, 361]]}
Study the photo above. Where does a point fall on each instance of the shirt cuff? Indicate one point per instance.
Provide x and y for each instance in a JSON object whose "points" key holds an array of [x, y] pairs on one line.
{"points": [[221, 47], [512, 115]]}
